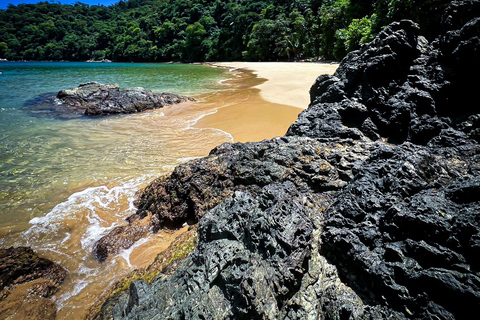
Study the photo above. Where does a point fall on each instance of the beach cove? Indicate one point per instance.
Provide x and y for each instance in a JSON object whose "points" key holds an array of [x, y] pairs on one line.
{"points": [[272, 102], [237, 111]]}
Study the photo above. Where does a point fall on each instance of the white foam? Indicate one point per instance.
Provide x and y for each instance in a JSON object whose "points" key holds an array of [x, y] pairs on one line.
{"points": [[90, 197], [52, 249], [191, 123], [82, 198], [82, 269], [88, 274], [168, 167], [125, 254], [230, 137], [186, 159], [77, 288], [93, 234], [85, 204], [67, 237]]}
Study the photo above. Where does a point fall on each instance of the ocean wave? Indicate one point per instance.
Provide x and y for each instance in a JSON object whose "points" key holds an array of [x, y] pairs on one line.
{"points": [[191, 124], [93, 205]]}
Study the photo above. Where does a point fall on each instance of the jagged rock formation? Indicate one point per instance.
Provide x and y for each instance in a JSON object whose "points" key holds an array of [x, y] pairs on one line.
{"points": [[93, 99], [196, 187], [369, 207], [26, 281]]}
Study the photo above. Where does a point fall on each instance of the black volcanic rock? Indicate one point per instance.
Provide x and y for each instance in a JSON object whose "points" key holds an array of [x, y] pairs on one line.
{"points": [[241, 258], [99, 99], [369, 207], [400, 87], [404, 233], [93, 99], [196, 187]]}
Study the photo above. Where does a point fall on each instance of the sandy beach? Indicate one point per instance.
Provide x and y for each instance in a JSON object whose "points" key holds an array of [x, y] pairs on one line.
{"points": [[287, 83], [266, 100]]}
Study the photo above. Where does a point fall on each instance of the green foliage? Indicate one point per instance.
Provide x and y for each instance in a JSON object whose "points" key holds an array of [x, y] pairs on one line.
{"points": [[194, 45], [201, 30], [3, 49], [267, 40], [358, 32]]}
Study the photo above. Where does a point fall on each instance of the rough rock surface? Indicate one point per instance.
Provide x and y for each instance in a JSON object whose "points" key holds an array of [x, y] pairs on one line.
{"points": [[26, 281], [196, 187], [22, 264], [123, 237], [93, 99], [369, 208]]}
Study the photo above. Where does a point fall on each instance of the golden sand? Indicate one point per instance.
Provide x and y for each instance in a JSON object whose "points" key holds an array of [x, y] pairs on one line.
{"points": [[287, 83], [271, 96]]}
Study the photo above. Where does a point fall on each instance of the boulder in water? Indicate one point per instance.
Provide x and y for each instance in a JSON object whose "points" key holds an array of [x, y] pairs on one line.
{"points": [[26, 283], [100, 99], [94, 99]]}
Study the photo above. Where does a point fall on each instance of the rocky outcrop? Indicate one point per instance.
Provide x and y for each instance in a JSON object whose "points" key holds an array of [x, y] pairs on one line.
{"points": [[99, 99], [400, 88], [368, 208], [123, 237], [196, 187], [94, 99], [163, 266], [26, 281]]}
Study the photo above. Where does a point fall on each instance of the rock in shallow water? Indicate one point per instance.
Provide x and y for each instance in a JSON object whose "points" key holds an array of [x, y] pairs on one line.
{"points": [[99, 99], [367, 209], [26, 281], [93, 99]]}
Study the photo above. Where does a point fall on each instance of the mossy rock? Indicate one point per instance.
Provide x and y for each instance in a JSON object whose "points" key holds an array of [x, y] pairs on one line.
{"points": [[164, 265]]}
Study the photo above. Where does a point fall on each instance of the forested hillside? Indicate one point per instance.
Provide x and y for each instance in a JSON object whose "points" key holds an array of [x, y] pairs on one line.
{"points": [[201, 30]]}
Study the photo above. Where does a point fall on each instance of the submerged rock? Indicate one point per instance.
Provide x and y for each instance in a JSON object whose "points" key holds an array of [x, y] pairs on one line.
{"points": [[369, 208], [93, 99], [122, 237], [26, 281], [22, 264]]}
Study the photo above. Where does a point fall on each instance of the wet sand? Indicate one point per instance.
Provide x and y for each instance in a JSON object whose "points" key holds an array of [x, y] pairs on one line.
{"points": [[273, 96], [288, 83]]}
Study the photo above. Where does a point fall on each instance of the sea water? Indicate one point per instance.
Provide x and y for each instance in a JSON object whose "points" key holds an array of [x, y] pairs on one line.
{"points": [[65, 183]]}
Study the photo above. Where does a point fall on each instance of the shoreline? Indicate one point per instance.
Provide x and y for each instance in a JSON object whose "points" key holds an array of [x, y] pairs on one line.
{"points": [[239, 111], [287, 83], [266, 98]]}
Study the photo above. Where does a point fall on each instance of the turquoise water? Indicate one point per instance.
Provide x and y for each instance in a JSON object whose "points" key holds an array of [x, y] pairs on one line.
{"points": [[42, 160], [66, 183]]}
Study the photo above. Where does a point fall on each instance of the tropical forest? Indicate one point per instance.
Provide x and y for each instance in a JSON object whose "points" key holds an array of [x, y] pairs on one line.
{"points": [[200, 30]]}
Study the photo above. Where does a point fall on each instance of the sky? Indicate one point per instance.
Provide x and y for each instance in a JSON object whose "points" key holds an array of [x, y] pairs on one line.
{"points": [[4, 3]]}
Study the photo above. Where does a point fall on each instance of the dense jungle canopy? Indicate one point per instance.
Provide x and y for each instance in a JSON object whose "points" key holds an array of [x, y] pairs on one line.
{"points": [[201, 30]]}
